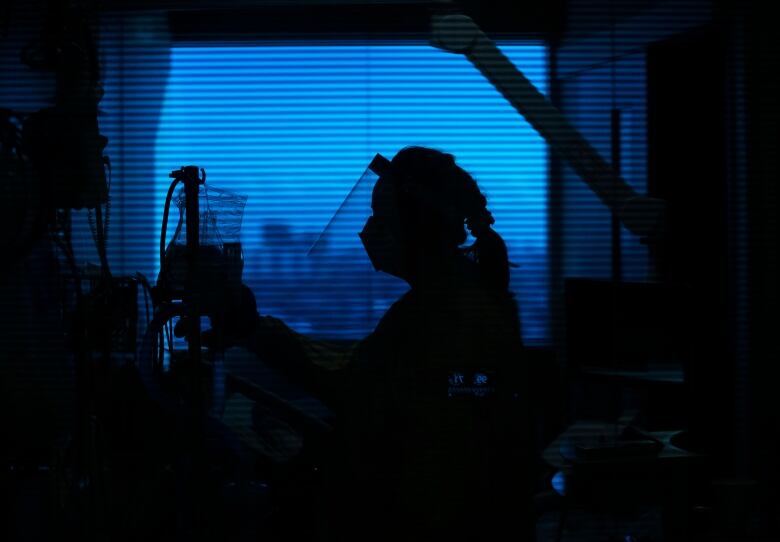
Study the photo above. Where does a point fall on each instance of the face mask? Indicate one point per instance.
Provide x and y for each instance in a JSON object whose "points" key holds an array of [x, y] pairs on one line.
{"points": [[382, 247]]}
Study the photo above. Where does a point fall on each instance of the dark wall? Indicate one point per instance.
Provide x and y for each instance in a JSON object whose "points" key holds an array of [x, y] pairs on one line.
{"points": [[358, 20], [712, 133], [687, 161], [761, 91]]}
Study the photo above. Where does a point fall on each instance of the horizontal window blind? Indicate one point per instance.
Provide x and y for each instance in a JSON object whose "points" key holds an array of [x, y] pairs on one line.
{"points": [[608, 106], [294, 126]]}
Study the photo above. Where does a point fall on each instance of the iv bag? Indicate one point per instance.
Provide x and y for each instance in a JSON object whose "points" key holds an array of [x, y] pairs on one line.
{"points": [[221, 213], [220, 257]]}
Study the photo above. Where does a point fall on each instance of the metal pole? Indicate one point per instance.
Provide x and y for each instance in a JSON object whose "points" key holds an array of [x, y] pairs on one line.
{"points": [[191, 295]]}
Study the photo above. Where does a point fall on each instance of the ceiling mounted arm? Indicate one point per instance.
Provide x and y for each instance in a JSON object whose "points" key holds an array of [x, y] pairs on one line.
{"points": [[642, 215]]}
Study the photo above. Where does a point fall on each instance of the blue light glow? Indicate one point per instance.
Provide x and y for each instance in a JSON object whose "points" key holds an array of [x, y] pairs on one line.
{"points": [[294, 126]]}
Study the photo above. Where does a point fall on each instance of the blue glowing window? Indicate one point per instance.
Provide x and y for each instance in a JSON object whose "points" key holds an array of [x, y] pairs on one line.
{"points": [[294, 126]]}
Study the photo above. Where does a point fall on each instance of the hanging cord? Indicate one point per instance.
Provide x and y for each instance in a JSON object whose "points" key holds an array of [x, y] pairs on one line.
{"points": [[164, 228], [615, 226], [147, 289], [615, 135], [98, 225], [107, 217], [65, 244]]}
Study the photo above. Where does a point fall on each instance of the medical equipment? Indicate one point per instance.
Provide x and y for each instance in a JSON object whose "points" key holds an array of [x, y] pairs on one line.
{"points": [[202, 265]]}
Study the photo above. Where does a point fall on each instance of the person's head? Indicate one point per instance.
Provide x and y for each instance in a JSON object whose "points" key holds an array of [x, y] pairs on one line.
{"points": [[421, 212]]}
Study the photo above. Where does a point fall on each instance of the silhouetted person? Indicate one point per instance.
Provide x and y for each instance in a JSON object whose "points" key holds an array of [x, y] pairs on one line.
{"points": [[421, 455]]}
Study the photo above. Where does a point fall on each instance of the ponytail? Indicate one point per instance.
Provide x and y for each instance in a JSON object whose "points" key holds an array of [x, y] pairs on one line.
{"points": [[489, 251]]}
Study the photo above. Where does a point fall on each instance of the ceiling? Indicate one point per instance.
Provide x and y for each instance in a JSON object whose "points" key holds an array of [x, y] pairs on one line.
{"points": [[201, 19]]}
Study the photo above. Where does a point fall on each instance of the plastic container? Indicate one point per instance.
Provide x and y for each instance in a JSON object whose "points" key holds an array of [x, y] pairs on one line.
{"points": [[220, 256]]}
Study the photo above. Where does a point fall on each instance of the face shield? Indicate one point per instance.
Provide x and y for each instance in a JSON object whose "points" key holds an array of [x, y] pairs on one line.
{"points": [[360, 239], [371, 205]]}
